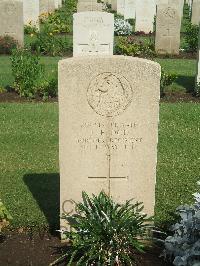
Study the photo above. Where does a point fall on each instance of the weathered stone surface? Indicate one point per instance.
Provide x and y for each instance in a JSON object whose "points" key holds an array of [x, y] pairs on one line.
{"points": [[145, 11], [89, 6], [130, 9], [168, 25], [108, 128], [31, 12], [120, 7], [47, 6], [93, 33], [196, 12], [59, 3], [56, 4], [11, 20], [114, 5]]}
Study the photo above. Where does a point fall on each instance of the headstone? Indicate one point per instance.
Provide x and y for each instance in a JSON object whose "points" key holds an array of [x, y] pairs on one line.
{"points": [[59, 3], [11, 20], [129, 9], [168, 25], [196, 12], [93, 33], [114, 5], [31, 12], [56, 4], [108, 129], [84, 6], [145, 11], [47, 6], [179, 4], [120, 7]]}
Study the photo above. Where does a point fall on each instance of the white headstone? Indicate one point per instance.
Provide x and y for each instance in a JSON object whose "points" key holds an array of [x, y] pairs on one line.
{"points": [[11, 20], [47, 6], [145, 11], [196, 12], [31, 12], [168, 25], [120, 7], [114, 5], [59, 3], [130, 9], [93, 33], [107, 132], [83, 6]]}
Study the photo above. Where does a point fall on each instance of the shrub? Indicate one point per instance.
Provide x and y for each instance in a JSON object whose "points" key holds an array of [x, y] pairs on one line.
{"points": [[61, 21], [47, 43], [184, 246], [122, 27], [29, 29], [7, 44], [29, 75], [5, 217], [166, 80], [191, 37], [104, 232], [132, 47]]}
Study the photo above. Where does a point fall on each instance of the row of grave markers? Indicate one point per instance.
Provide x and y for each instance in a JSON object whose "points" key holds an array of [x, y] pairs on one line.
{"points": [[14, 14]]}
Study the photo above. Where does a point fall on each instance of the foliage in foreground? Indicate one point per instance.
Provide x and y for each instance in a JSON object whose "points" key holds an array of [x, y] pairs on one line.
{"points": [[29, 75], [104, 232], [184, 245], [5, 217]]}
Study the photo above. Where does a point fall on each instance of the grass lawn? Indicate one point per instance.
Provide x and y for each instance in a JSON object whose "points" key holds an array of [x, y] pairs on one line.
{"points": [[29, 177], [185, 69]]}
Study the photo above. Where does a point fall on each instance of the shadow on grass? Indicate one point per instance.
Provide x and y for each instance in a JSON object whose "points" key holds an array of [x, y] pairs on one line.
{"points": [[45, 189], [187, 82]]}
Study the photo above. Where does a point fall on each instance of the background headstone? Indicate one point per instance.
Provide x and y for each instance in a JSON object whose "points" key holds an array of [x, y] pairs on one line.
{"points": [[31, 12], [130, 9], [196, 12], [120, 7], [93, 33], [47, 6], [114, 5], [168, 26], [84, 6], [108, 128], [11, 20], [145, 11]]}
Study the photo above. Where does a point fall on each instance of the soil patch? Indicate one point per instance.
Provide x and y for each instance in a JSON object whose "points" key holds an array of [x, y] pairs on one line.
{"points": [[175, 97], [41, 249], [172, 97]]}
